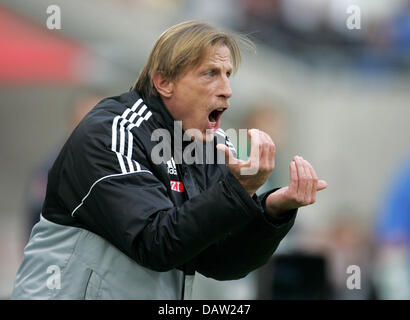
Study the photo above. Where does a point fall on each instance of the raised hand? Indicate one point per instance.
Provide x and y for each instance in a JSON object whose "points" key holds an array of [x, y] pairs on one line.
{"points": [[254, 172], [301, 191]]}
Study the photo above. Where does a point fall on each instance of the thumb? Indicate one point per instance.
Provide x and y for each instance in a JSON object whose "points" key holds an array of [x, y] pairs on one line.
{"points": [[321, 184]]}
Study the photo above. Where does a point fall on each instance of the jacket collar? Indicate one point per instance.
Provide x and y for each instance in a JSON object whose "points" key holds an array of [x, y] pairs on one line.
{"points": [[162, 113], [164, 117]]}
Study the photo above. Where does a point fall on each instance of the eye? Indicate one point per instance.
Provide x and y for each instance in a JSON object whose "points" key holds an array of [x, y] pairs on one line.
{"points": [[210, 73], [228, 74]]}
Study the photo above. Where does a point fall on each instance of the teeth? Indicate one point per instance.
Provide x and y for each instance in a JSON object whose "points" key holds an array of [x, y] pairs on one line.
{"points": [[220, 109]]}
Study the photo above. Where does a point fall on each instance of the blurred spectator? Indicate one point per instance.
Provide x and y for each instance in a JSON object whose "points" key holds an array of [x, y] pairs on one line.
{"points": [[350, 245], [304, 15], [401, 29], [392, 272], [36, 186], [295, 275], [259, 17], [315, 31], [316, 265]]}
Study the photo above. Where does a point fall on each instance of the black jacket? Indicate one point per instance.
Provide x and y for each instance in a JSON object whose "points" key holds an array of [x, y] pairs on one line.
{"points": [[194, 217]]}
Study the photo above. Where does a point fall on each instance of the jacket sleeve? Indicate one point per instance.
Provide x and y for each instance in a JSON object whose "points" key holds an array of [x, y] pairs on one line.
{"points": [[247, 248]]}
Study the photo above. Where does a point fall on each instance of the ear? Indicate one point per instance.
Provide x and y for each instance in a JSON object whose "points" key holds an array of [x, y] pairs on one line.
{"points": [[164, 86]]}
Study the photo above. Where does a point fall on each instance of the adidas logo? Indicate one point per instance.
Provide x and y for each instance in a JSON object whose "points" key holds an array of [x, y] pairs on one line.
{"points": [[172, 169]]}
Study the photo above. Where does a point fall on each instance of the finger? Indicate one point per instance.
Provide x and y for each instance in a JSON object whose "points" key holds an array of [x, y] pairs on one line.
{"points": [[309, 182], [293, 180], [264, 157], [314, 180], [256, 145], [321, 184], [254, 160], [302, 179], [271, 152]]}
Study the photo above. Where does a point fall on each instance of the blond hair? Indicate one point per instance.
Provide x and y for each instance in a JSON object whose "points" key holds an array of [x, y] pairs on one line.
{"points": [[183, 46]]}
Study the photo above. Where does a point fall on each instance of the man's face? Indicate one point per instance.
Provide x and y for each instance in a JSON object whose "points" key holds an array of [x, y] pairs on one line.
{"points": [[200, 95]]}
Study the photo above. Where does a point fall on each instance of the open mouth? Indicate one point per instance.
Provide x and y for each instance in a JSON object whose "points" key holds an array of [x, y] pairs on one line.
{"points": [[215, 116]]}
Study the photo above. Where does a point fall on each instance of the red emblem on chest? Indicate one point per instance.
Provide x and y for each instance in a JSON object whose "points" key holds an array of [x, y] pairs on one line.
{"points": [[177, 186]]}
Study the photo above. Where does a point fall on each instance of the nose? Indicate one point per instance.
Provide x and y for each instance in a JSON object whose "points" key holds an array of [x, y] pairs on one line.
{"points": [[225, 88]]}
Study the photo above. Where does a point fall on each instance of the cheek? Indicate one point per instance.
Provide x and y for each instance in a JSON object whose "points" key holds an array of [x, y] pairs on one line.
{"points": [[193, 101], [189, 97], [196, 102]]}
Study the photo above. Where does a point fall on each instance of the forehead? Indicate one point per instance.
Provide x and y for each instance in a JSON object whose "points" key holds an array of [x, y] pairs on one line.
{"points": [[218, 54]]}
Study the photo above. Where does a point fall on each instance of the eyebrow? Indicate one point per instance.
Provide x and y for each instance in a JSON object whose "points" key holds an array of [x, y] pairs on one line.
{"points": [[213, 66]]}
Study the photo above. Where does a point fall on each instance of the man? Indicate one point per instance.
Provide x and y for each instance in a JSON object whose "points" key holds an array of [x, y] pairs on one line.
{"points": [[392, 238], [117, 225]]}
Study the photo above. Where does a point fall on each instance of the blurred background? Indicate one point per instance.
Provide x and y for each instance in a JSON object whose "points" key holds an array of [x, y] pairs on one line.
{"points": [[339, 97]]}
